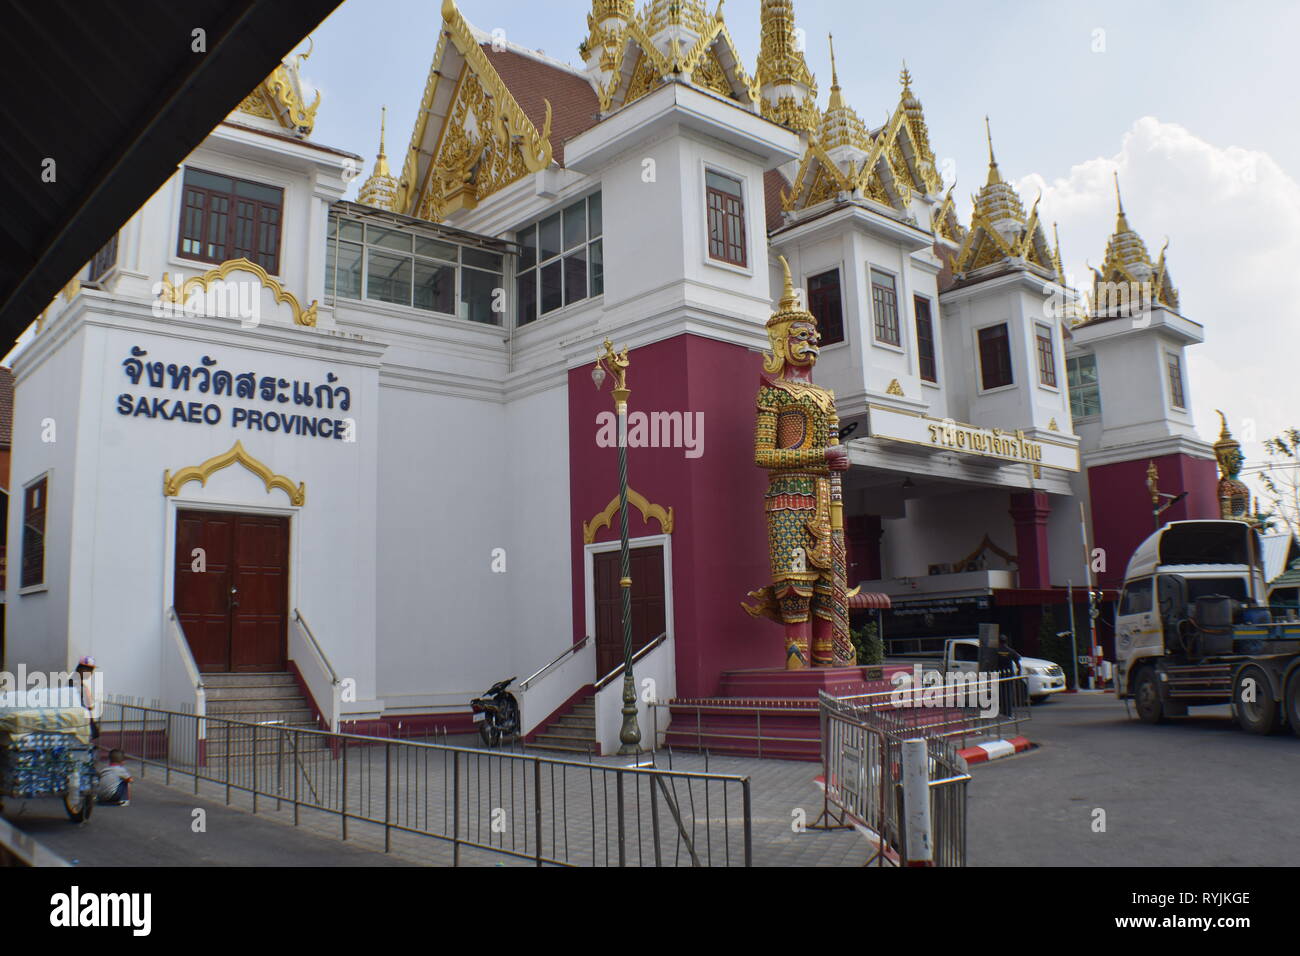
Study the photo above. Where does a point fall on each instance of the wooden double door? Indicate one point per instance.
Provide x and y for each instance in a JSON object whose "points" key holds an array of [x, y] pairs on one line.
{"points": [[648, 604], [232, 589]]}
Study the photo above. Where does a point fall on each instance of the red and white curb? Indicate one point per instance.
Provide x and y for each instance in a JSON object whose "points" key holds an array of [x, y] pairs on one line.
{"points": [[995, 749]]}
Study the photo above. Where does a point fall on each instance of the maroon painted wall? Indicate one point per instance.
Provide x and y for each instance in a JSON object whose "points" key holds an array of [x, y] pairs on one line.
{"points": [[719, 540], [1121, 505]]}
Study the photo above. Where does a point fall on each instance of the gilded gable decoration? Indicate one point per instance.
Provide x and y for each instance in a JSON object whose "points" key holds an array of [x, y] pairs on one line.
{"points": [[282, 97], [471, 137], [629, 54]]}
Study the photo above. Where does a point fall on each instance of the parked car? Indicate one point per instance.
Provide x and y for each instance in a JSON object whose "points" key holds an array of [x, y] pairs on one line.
{"points": [[1043, 678]]}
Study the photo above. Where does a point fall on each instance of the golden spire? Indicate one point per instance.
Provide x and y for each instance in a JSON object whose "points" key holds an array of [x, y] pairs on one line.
{"points": [[1056, 255], [905, 78], [787, 90], [836, 101], [380, 190], [994, 176], [1121, 222]]}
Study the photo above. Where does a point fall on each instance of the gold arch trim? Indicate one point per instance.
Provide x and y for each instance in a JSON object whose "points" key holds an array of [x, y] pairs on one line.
{"points": [[201, 473], [181, 293], [606, 517]]}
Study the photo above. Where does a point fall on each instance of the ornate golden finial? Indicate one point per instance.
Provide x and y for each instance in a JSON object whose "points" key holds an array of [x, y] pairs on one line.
{"points": [[380, 190], [994, 177], [836, 100], [1121, 221], [905, 78]]}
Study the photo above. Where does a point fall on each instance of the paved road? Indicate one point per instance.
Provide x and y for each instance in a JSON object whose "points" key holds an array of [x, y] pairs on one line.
{"points": [[1194, 792], [155, 830]]}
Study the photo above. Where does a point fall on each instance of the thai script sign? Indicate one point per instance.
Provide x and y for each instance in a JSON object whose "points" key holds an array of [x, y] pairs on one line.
{"points": [[948, 435], [295, 404]]}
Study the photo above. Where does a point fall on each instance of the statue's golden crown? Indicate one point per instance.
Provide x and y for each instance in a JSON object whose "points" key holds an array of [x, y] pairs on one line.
{"points": [[789, 309]]}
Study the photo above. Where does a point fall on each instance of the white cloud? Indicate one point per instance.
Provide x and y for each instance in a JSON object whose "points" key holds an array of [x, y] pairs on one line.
{"points": [[1233, 219]]}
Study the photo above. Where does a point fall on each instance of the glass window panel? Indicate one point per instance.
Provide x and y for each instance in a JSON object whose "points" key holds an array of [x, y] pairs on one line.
{"points": [[526, 297], [528, 248], [722, 183], [575, 224], [388, 278], [388, 238], [436, 249], [197, 177], [593, 215], [435, 287], [597, 267], [549, 235], [270, 194], [478, 293], [350, 229], [348, 272], [575, 276], [481, 260], [552, 295]]}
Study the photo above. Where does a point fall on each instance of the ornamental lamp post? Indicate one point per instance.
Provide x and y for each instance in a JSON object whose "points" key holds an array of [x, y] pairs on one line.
{"points": [[611, 363]]}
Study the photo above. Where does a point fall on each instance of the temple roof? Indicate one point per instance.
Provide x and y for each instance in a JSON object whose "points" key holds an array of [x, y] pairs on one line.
{"points": [[846, 162], [787, 88], [491, 114], [1127, 261], [380, 190], [1000, 233], [629, 54]]}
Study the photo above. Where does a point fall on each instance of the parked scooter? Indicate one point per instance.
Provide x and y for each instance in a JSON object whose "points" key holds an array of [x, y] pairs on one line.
{"points": [[496, 713]]}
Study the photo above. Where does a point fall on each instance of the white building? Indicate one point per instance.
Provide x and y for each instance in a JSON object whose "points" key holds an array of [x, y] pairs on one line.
{"points": [[269, 430]]}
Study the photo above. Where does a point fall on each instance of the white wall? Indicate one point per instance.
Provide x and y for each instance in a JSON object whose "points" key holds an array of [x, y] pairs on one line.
{"points": [[942, 529]]}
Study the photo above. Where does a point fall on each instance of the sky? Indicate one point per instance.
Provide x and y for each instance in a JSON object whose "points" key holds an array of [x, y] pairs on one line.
{"points": [[1193, 103]]}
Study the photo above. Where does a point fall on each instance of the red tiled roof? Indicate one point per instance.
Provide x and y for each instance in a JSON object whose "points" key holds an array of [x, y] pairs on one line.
{"points": [[574, 107], [6, 407], [773, 183]]}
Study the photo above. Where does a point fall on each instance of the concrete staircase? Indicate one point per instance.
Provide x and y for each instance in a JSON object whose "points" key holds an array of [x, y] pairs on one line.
{"points": [[272, 698], [574, 731]]}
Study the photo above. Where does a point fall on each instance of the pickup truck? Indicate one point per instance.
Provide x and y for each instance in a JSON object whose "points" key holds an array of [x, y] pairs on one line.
{"points": [[1043, 678]]}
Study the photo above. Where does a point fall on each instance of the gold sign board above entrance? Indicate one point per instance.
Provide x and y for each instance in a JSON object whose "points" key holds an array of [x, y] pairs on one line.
{"points": [[1008, 447]]}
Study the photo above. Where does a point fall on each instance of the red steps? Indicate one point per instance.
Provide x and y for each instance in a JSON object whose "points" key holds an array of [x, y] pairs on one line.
{"points": [[773, 713]]}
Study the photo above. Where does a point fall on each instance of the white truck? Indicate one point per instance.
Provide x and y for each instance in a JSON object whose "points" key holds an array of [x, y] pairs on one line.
{"points": [[1193, 629]]}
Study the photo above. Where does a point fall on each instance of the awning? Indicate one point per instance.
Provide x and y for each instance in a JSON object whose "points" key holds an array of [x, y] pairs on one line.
{"points": [[869, 599]]}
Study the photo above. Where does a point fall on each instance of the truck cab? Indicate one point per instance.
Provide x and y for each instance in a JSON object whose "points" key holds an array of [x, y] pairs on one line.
{"points": [[1209, 558], [1194, 628]]}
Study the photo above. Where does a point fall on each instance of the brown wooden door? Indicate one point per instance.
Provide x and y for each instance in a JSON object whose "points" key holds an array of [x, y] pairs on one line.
{"points": [[648, 607], [235, 611]]}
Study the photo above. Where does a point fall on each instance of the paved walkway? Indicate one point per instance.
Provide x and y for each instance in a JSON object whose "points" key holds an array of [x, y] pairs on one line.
{"points": [[157, 830], [498, 809]]}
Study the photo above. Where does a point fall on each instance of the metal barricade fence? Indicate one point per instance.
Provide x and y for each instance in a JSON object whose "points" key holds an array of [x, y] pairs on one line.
{"points": [[477, 805], [863, 782]]}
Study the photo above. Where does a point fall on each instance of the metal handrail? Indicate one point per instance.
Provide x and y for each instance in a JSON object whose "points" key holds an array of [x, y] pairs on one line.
{"points": [[315, 646], [650, 646], [571, 649], [187, 656]]}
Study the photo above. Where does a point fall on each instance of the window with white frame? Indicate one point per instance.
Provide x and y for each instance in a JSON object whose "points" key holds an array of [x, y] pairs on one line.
{"points": [[561, 260], [725, 201], [1046, 354], [1085, 387], [383, 264], [884, 306], [1175, 366]]}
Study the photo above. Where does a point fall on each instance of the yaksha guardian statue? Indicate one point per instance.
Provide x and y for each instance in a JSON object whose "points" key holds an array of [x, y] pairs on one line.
{"points": [[797, 441]]}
